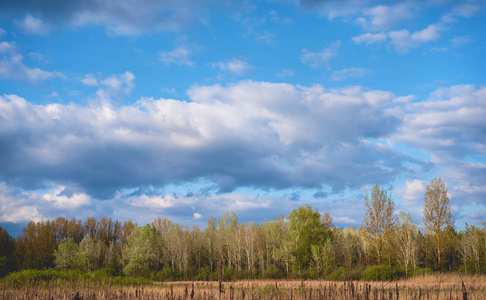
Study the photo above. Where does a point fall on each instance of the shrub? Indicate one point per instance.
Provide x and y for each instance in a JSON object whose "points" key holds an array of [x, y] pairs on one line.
{"points": [[381, 273], [166, 274], [229, 273], [273, 272], [205, 274], [421, 272], [340, 274], [21, 278]]}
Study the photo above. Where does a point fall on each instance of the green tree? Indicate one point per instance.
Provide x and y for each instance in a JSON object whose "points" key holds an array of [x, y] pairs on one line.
{"points": [[323, 257], [142, 252], [90, 253], [305, 230], [66, 254], [378, 220], [437, 215]]}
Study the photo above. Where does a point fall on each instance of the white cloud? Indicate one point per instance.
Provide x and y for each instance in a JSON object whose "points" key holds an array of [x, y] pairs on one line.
{"points": [[65, 202], [197, 216], [403, 40], [261, 135], [32, 25], [213, 137], [450, 127], [382, 17], [370, 38], [89, 79], [466, 10], [431, 33], [154, 202], [116, 86], [322, 58], [285, 73], [178, 56], [412, 193], [235, 66], [2, 32], [8, 47], [22, 214], [349, 73], [459, 41], [11, 66]]}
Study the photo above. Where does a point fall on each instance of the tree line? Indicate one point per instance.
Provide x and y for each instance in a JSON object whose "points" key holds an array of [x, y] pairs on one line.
{"points": [[305, 244]]}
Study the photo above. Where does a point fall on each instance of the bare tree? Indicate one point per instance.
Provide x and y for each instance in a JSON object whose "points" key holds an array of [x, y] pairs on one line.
{"points": [[471, 246], [406, 241], [437, 214]]}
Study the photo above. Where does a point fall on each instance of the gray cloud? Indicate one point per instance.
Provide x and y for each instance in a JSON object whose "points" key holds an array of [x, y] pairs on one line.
{"points": [[258, 135], [121, 17], [253, 134]]}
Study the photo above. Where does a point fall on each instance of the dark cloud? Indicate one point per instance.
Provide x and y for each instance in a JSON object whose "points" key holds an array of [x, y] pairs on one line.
{"points": [[320, 194], [119, 16]]}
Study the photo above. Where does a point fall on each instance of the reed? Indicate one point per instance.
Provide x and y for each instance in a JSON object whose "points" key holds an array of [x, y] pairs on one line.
{"points": [[444, 286]]}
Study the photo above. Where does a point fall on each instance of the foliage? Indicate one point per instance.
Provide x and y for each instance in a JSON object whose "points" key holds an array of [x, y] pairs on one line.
{"points": [[205, 274], [23, 277], [7, 250], [379, 221], [166, 274], [273, 272], [66, 254], [305, 245], [141, 252], [381, 273], [437, 215], [305, 230]]}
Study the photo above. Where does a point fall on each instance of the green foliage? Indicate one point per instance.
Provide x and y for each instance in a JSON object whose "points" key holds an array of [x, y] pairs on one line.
{"points": [[381, 273], [66, 255], [102, 276], [229, 273], [166, 274], [142, 253], [305, 246], [305, 230], [89, 253], [341, 273], [273, 272], [205, 274]]}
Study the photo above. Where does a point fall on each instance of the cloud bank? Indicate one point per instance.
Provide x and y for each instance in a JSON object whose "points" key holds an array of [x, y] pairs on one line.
{"points": [[259, 135]]}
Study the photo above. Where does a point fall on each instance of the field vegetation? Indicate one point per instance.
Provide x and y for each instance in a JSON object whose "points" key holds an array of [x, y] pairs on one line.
{"points": [[438, 286]]}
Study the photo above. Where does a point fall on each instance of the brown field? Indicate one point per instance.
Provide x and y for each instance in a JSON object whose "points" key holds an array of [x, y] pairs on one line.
{"points": [[445, 286]]}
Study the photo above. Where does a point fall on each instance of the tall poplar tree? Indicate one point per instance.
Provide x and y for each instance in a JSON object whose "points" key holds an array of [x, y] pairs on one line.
{"points": [[379, 220], [437, 215]]}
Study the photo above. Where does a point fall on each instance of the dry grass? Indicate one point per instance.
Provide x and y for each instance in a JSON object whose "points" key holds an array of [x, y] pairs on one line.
{"points": [[439, 286]]}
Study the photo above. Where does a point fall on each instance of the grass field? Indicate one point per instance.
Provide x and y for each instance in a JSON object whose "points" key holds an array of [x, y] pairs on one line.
{"points": [[439, 286]]}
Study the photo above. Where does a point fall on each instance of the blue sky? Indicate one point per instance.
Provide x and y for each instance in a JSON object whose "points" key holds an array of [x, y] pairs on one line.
{"points": [[187, 109]]}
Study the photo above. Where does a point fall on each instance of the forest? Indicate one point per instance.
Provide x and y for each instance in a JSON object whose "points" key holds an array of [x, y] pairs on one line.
{"points": [[303, 245]]}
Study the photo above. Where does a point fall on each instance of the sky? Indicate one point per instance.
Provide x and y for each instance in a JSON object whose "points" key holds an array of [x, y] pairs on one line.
{"points": [[187, 109]]}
